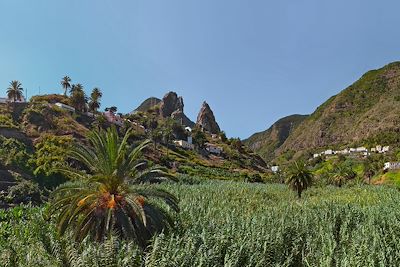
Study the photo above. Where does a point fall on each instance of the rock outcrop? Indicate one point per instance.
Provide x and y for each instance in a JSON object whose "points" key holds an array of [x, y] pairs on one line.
{"points": [[171, 103], [206, 119], [171, 106], [148, 104]]}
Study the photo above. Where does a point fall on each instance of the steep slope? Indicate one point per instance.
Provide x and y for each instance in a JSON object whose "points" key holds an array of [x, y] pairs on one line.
{"points": [[148, 104], [366, 113], [206, 119], [267, 142]]}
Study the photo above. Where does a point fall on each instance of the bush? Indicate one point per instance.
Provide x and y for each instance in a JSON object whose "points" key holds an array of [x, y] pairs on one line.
{"points": [[24, 192]]}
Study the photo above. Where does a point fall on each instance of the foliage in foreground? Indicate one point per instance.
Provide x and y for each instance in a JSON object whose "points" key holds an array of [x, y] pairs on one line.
{"points": [[232, 224], [107, 198]]}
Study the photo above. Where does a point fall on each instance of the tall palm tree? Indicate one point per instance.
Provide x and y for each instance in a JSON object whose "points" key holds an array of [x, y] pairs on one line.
{"points": [[299, 177], [112, 196], [15, 91], [66, 84], [94, 102]]}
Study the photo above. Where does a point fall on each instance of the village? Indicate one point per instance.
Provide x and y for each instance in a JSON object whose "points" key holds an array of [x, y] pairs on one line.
{"points": [[119, 120]]}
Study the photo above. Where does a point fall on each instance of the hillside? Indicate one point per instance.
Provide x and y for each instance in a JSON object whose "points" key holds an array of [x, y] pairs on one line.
{"points": [[267, 142], [365, 113], [148, 104]]}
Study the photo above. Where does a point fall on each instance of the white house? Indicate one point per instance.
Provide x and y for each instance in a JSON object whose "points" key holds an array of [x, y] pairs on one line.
{"points": [[190, 140], [184, 144], [316, 155], [65, 107], [391, 166], [5, 100], [275, 169], [213, 148], [385, 149], [328, 152], [361, 149]]}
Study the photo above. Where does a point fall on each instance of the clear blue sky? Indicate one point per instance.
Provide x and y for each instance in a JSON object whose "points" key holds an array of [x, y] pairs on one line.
{"points": [[253, 61]]}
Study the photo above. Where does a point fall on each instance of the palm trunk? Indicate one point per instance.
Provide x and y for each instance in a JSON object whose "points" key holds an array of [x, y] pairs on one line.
{"points": [[299, 193]]}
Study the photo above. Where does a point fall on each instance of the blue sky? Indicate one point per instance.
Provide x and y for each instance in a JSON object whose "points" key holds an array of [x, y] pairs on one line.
{"points": [[253, 61]]}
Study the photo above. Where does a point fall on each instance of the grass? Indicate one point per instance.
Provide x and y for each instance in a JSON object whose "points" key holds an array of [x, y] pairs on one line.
{"points": [[232, 224]]}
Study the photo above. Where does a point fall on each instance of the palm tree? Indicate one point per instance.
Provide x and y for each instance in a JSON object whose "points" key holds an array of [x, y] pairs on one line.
{"points": [[66, 83], [112, 196], [342, 174], [15, 91], [95, 96], [299, 177], [76, 88], [78, 100]]}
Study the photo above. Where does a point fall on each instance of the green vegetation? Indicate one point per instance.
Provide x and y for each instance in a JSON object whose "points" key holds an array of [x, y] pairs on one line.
{"points": [[108, 199], [231, 224]]}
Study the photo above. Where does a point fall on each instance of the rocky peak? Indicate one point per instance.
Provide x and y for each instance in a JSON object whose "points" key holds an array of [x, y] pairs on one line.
{"points": [[206, 119], [171, 103]]}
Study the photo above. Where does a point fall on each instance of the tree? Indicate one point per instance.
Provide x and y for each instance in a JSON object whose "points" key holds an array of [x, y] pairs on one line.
{"points": [[94, 102], [78, 97], [66, 84], [76, 88], [199, 138], [15, 91], [114, 194], [299, 177], [342, 173]]}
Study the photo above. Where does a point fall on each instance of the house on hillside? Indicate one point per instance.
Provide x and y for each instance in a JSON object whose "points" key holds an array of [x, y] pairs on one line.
{"points": [[184, 144], [213, 149], [391, 166], [5, 100], [65, 107]]}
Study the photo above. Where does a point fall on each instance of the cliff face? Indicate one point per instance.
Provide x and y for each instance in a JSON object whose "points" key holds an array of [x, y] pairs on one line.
{"points": [[267, 142], [206, 119]]}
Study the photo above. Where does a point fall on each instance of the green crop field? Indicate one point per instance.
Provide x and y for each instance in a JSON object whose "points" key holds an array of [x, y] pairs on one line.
{"points": [[231, 224]]}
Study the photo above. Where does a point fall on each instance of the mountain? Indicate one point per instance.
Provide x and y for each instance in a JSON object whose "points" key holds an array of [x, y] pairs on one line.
{"points": [[206, 119], [148, 104], [267, 142], [365, 113], [170, 106]]}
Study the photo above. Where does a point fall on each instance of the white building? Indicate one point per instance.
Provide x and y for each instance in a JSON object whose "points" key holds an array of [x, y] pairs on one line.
{"points": [[316, 155], [391, 166], [5, 100], [65, 107], [184, 144], [385, 149], [361, 149], [213, 148], [328, 152], [275, 169]]}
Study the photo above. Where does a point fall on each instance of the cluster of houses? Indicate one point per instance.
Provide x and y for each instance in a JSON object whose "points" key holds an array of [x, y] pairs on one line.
{"points": [[118, 120], [359, 150], [188, 144]]}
